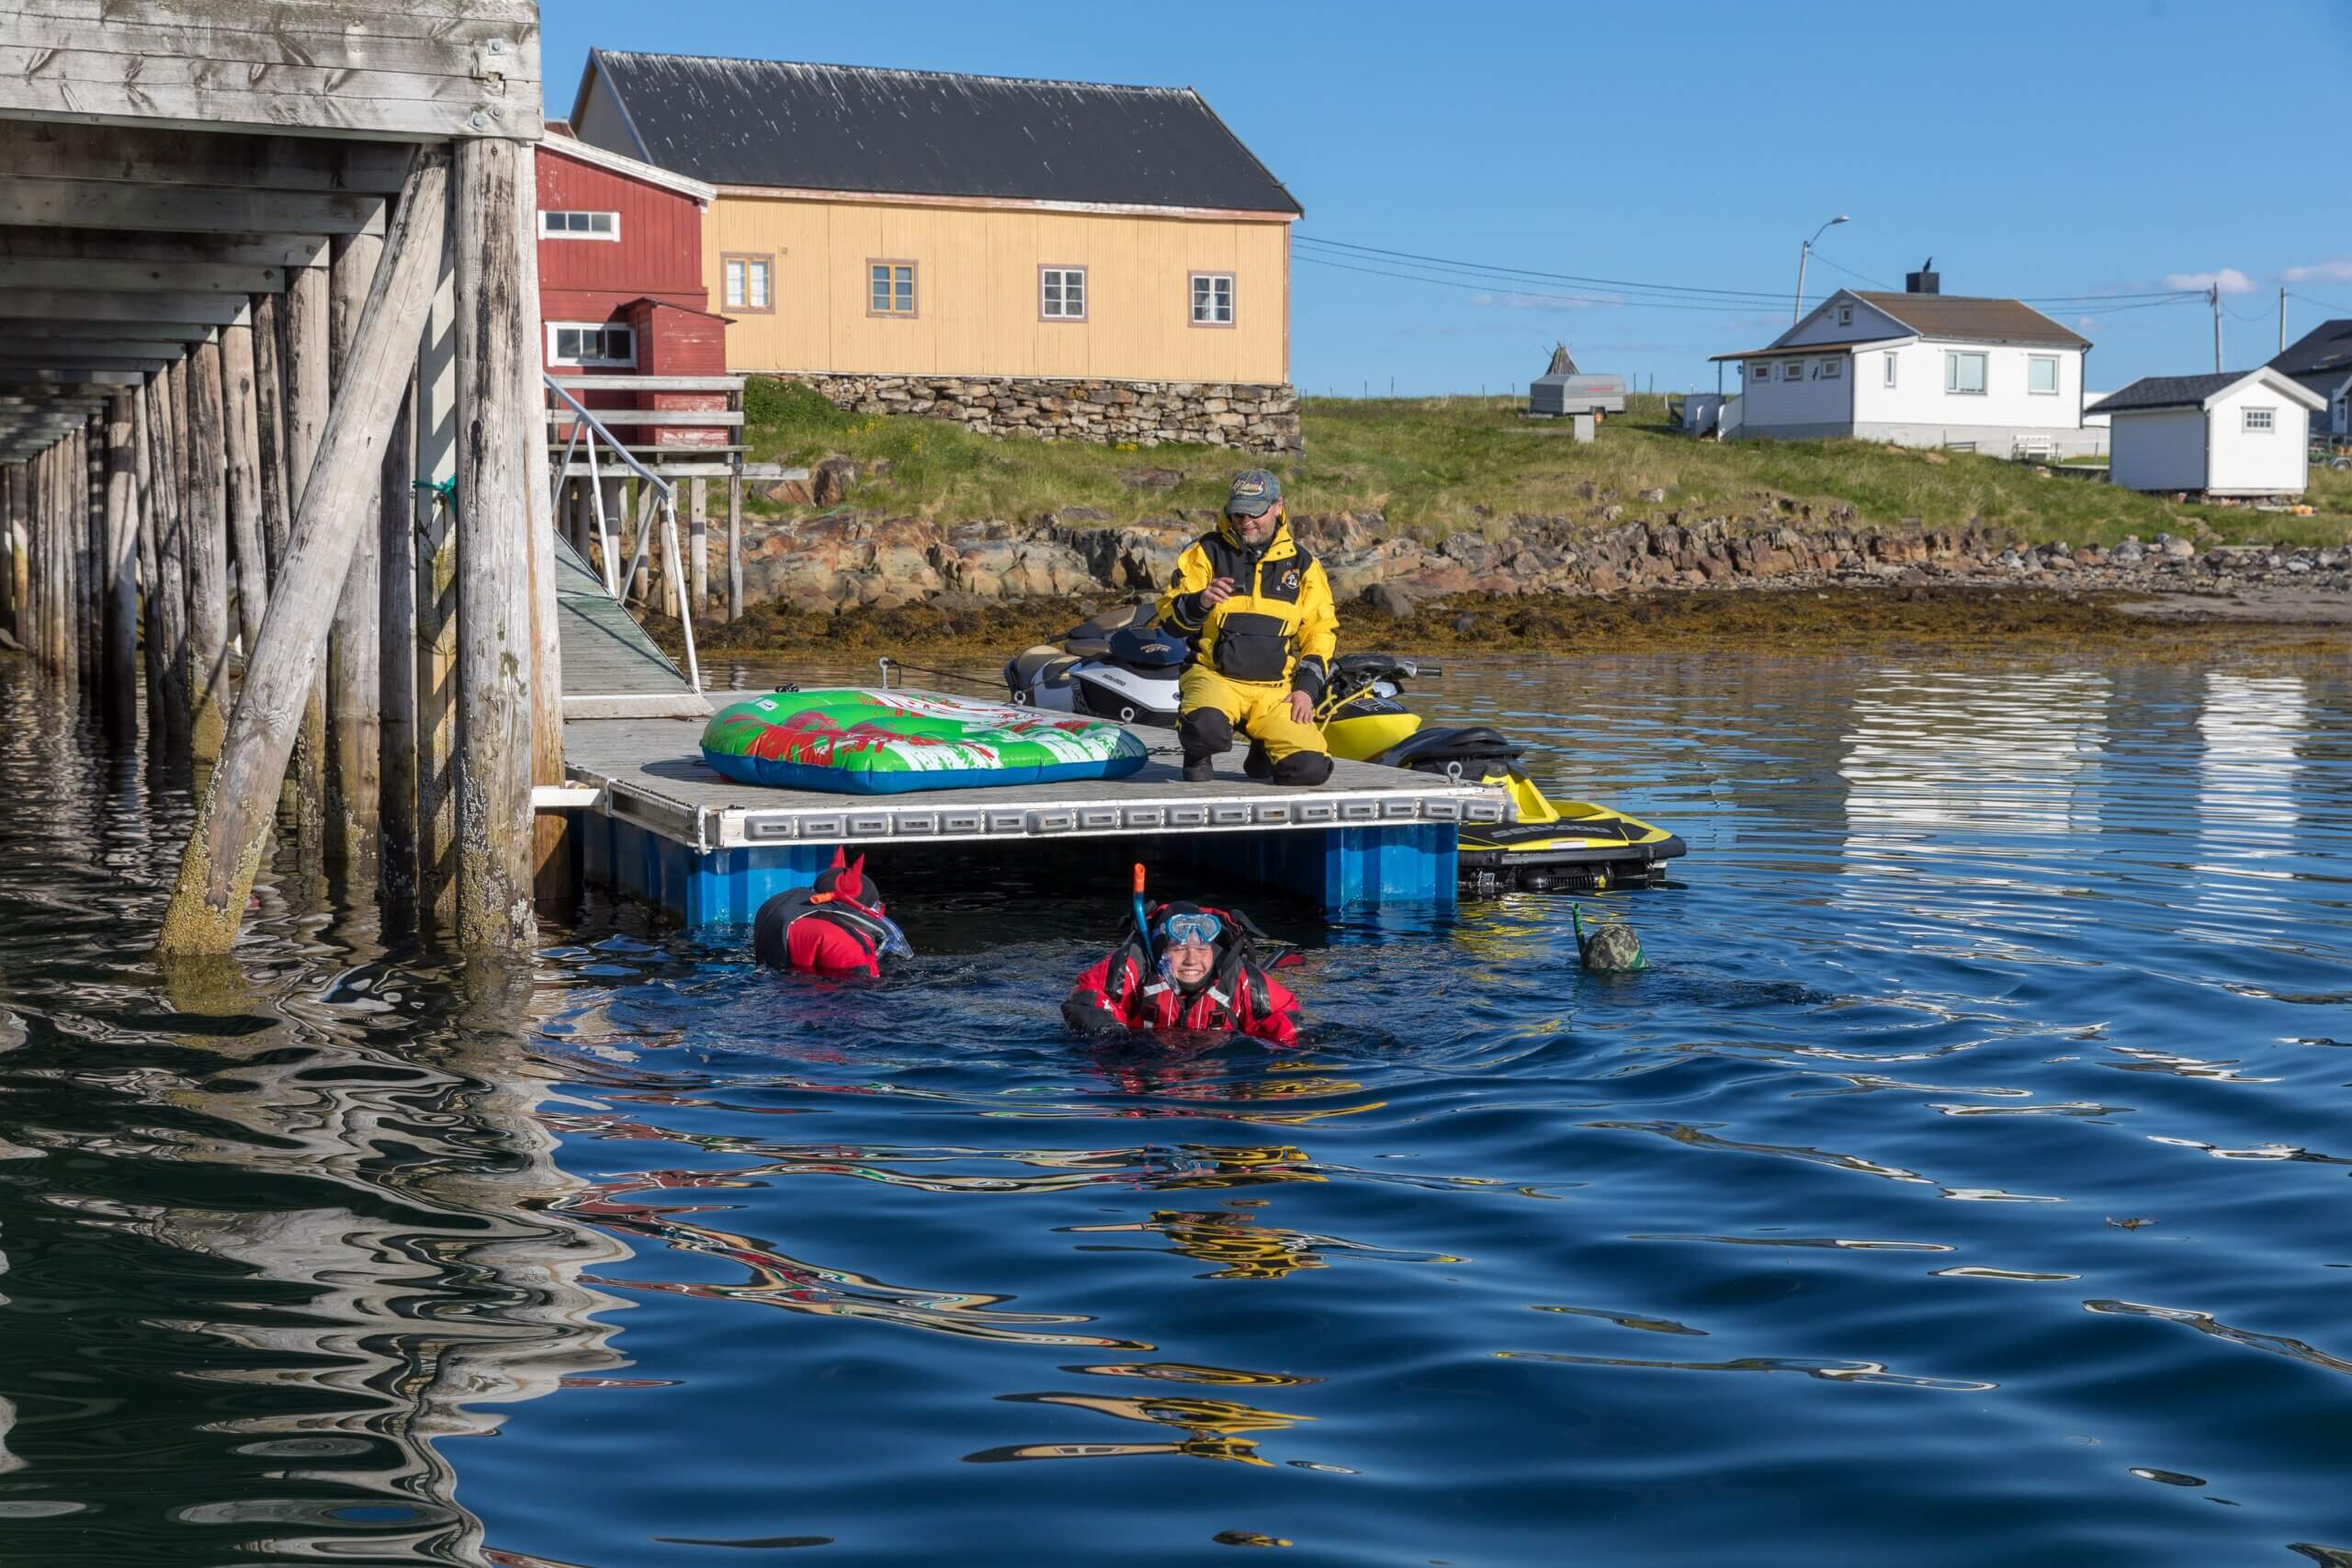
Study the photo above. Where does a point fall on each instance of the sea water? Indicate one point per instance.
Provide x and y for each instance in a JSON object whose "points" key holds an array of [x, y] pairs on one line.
{"points": [[1964, 1182]]}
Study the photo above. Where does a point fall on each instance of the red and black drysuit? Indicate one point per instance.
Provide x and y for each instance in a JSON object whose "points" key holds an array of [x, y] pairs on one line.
{"points": [[1126, 990], [835, 927]]}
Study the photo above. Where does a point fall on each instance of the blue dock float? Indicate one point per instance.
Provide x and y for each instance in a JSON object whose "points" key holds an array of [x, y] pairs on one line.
{"points": [[659, 825]]}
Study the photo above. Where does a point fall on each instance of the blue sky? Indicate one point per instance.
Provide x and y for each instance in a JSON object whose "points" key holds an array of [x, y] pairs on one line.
{"points": [[2033, 149]]}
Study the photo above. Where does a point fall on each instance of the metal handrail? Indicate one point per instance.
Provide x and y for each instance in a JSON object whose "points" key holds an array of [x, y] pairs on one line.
{"points": [[663, 488]]}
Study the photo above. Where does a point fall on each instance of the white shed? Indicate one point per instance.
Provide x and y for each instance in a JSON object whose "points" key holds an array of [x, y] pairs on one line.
{"points": [[2233, 433]]}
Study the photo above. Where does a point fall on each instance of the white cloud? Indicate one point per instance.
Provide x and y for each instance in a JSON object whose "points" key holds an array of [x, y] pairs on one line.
{"points": [[2325, 272], [1535, 302], [2230, 280]]}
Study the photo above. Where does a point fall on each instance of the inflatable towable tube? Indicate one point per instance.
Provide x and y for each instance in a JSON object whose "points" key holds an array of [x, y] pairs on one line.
{"points": [[862, 742]]}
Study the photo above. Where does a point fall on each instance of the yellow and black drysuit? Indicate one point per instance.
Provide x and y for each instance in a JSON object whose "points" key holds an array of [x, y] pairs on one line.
{"points": [[1274, 636]]}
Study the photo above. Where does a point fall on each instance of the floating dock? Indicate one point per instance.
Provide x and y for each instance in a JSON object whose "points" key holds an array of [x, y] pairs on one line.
{"points": [[655, 823]]}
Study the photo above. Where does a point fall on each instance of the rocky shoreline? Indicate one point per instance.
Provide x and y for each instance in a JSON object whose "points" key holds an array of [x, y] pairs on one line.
{"points": [[847, 561]]}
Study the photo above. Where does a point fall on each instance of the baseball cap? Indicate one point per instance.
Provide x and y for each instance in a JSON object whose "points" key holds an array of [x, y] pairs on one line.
{"points": [[1254, 491]]}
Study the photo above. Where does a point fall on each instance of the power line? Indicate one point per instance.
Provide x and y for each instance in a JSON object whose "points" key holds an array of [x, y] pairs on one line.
{"points": [[1519, 291], [1850, 272], [1368, 250], [2322, 304]]}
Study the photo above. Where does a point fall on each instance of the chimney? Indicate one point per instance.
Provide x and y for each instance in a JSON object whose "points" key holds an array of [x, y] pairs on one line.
{"points": [[1923, 281]]}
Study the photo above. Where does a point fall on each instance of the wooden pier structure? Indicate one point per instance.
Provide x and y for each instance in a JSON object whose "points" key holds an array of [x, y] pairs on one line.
{"points": [[279, 468]]}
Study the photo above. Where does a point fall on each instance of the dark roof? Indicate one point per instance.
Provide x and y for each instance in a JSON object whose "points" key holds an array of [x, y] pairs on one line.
{"points": [[2167, 392], [849, 127], [1973, 321], [2326, 348]]}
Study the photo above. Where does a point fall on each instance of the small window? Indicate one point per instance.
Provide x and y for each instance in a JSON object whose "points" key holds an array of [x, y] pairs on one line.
{"points": [[1845, 315], [1964, 374], [1211, 298], [580, 225], [591, 343], [2042, 374], [748, 282], [1061, 293], [891, 288], [1759, 371], [1887, 375], [2260, 421], [1832, 369], [1793, 371]]}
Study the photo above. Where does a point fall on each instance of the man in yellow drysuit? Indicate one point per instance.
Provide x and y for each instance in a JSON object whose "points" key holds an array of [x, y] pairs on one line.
{"points": [[1256, 610]]}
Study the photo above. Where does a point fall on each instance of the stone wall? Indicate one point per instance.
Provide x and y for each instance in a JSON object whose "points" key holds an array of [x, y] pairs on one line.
{"points": [[1250, 417], [849, 560]]}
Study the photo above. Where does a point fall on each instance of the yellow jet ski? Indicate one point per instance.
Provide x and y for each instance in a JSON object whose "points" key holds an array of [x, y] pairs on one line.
{"points": [[1570, 845]]}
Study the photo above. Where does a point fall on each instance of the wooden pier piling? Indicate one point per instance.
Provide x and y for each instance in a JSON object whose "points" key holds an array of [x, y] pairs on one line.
{"points": [[499, 464], [241, 391], [305, 395], [120, 676], [355, 682], [232, 823], [208, 554]]}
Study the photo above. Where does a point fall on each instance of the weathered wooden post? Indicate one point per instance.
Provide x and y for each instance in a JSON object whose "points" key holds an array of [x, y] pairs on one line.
{"points": [[436, 611], [698, 540], [735, 544], [233, 824], [9, 551], [501, 435], [269, 434], [354, 692], [120, 677], [305, 394], [151, 601], [208, 554], [240, 387], [396, 627], [171, 554], [90, 608]]}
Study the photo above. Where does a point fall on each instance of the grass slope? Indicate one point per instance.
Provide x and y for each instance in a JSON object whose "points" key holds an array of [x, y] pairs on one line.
{"points": [[1432, 466]]}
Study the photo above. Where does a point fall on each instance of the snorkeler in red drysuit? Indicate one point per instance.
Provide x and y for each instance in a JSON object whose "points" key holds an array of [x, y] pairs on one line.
{"points": [[1199, 973], [837, 927]]}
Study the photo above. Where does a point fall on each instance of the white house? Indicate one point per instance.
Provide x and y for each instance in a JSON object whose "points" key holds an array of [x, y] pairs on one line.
{"points": [[2235, 433], [1920, 369], [2321, 361]]}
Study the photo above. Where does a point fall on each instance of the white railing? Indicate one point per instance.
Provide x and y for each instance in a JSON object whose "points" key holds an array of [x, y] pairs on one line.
{"points": [[608, 541]]}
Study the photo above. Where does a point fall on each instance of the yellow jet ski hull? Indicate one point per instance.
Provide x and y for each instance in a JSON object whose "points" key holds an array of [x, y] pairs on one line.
{"points": [[1572, 845]]}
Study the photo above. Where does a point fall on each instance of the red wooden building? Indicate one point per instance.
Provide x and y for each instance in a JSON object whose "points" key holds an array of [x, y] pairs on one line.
{"points": [[621, 288]]}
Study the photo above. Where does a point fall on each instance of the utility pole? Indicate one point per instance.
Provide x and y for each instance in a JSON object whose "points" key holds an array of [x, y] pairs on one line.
{"points": [[2282, 320], [2214, 295]]}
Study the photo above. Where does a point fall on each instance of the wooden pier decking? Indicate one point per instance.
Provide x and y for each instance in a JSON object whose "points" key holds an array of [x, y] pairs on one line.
{"points": [[678, 834]]}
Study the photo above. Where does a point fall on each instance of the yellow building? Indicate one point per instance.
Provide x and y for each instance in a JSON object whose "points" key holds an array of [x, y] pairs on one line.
{"points": [[917, 240]]}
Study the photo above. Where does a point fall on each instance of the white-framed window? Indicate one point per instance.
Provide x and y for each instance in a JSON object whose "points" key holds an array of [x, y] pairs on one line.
{"points": [[598, 343], [1886, 377], [580, 225], [2042, 374], [1845, 315], [1964, 373], [1758, 371], [1793, 371], [891, 288], [1061, 293], [1211, 298], [1832, 367], [749, 282], [2260, 421]]}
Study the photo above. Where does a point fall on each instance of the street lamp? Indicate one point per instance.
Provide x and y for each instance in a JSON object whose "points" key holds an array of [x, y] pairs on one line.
{"points": [[1805, 254]]}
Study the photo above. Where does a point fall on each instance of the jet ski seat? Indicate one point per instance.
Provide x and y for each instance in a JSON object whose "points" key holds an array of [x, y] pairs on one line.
{"points": [[1044, 667]]}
